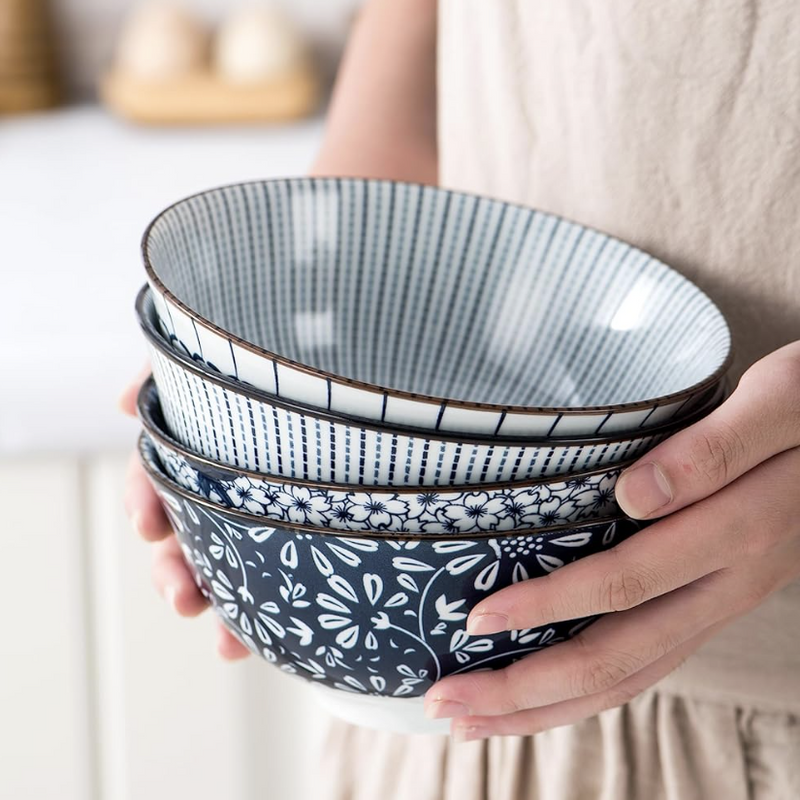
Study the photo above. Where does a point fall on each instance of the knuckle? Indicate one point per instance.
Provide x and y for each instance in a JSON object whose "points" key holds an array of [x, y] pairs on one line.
{"points": [[601, 671], [751, 595], [471, 686], [490, 692], [784, 371], [539, 602], [547, 605], [777, 377], [623, 589], [761, 536], [512, 692], [714, 455]]}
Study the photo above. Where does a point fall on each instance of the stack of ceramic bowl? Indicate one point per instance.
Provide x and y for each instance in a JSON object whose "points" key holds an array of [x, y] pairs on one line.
{"points": [[376, 403]]}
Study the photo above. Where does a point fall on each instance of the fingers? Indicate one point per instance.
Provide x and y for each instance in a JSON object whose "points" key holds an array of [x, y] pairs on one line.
{"points": [[228, 646], [142, 504], [127, 400], [173, 580], [743, 520], [595, 661], [531, 721], [759, 420], [754, 522], [171, 575]]}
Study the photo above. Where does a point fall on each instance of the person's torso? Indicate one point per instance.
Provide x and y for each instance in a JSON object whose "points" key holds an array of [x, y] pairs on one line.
{"points": [[675, 127]]}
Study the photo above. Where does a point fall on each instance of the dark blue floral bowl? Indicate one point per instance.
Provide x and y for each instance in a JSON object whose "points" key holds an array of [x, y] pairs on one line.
{"points": [[365, 614]]}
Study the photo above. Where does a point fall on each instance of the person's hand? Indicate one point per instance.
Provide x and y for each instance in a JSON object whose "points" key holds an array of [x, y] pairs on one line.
{"points": [[731, 485], [171, 575]]}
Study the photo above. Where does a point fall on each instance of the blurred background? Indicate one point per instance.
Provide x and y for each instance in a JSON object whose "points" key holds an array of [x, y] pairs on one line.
{"points": [[110, 110]]}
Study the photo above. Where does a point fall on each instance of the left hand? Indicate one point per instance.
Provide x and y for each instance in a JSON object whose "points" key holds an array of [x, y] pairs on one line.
{"points": [[731, 487]]}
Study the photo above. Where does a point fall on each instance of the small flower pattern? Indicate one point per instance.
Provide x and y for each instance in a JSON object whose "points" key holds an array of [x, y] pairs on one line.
{"points": [[544, 505]]}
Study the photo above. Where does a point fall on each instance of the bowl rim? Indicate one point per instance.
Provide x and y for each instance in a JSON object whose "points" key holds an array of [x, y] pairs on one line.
{"points": [[167, 484], [155, 431], [259, 395], [417, 397]]}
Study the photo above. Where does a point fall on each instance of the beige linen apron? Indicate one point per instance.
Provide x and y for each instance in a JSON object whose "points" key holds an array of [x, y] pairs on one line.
{"points": [[675, 126]]}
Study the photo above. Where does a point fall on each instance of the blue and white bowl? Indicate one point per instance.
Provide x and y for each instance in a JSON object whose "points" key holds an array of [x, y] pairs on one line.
{"points": [[370, 615], [416, 306], [239, 426], [457, 511]]}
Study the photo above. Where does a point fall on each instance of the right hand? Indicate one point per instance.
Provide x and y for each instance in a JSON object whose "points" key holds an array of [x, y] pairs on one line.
{"points": [[171, 575]]}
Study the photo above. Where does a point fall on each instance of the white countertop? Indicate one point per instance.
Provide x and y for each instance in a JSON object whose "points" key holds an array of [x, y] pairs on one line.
{"points": [[77, 189]]}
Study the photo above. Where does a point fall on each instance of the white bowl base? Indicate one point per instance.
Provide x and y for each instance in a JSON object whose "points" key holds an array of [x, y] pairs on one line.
{"points": [[395, 714]]}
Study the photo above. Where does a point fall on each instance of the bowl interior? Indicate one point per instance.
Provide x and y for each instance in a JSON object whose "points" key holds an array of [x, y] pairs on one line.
{"points": [[435, 292]]}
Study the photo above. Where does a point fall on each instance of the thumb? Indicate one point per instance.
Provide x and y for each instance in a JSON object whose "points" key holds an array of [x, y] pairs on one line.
{"points": [[759, 420]]}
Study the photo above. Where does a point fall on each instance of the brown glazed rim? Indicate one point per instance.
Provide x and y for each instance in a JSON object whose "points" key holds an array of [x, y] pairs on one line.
{"points": [[155, 432], [169, 485], [401, 393], [250, 392]]}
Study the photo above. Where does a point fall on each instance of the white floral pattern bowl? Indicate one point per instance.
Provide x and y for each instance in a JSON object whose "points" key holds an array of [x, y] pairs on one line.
{"points": [[371, 615], [239, 426], [416, 306], [457, 511]]}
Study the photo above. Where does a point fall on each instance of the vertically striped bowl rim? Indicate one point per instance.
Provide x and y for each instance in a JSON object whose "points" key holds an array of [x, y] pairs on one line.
{"points": [[198, 319], [157, 433], [250, 392]]}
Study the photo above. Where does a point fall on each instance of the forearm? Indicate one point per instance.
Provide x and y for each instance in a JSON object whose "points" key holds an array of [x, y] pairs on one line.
{"points": [[382, 118]]}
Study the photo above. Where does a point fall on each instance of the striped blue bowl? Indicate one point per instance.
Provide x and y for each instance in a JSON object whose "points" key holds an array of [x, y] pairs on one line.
{"points": [[415, 306]]}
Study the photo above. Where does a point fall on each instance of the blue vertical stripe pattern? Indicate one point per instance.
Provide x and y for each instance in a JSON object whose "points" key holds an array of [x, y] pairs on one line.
{"points": [[459, 298], [240, 430]]}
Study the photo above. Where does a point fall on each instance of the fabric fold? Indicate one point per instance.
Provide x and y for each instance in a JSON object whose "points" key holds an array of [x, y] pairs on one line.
{"points": [[658, 747]]}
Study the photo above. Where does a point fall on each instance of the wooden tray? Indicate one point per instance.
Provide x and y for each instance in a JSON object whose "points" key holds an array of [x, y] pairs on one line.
{"points": [[204, 99], [18, 96]]}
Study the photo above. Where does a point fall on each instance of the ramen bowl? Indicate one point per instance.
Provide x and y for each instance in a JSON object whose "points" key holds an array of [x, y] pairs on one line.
{"points": [[375, 616], [414, 306], [239, 426]]}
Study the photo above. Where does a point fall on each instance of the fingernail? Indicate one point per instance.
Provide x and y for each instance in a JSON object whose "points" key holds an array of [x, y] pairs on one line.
{"points": [[487, 623], [171, 596], [468, 733], [643, 490], [441, 709], [136, 522]]}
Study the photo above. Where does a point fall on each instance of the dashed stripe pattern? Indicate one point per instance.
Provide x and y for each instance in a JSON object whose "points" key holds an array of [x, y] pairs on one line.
{"points": [[214, 421]]}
